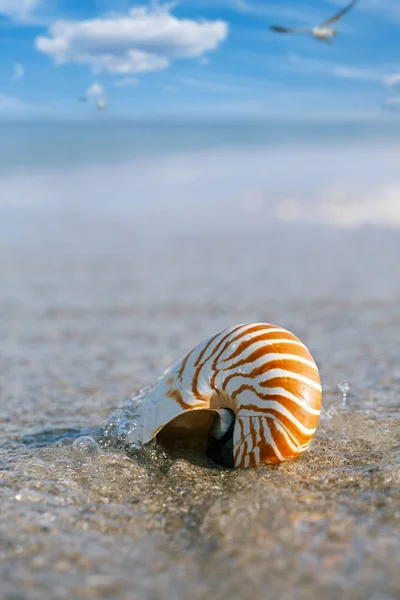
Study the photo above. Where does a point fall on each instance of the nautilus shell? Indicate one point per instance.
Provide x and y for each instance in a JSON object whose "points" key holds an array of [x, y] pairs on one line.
{"points": [[259, 385]]}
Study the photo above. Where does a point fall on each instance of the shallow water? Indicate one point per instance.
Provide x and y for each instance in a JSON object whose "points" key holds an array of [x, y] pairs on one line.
{"points": [[78, 337], [95, 308]]}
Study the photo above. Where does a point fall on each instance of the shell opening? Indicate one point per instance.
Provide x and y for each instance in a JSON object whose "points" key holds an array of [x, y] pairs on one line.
{"points": [[220, 438], [220, 427], [206, 432]]}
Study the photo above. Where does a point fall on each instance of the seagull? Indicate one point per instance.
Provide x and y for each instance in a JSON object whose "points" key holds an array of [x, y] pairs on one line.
{"points": [[323, 32], [101, 104]]}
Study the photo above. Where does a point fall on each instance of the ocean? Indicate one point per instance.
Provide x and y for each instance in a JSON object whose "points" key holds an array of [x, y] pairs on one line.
{"points": [[47, 144]]}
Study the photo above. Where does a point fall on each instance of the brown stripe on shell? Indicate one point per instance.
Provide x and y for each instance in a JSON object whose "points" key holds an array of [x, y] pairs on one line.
{"points": [[298, 435], [280, 441], [304, 392], [253, 433], [263, 443], [292, 365], [177, 396], [271, 335], [184, 363], [227, 334], [288, 433], [236, 456], [206, 347], [200, 365], [252, 459], [247, 331], [295, 351], [245, 451], [267, 453], [305, 418], [298, 411], [315, 396]]}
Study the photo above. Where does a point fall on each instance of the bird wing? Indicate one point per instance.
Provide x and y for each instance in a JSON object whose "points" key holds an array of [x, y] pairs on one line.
{"points": [[339, 15], [280, 29]]}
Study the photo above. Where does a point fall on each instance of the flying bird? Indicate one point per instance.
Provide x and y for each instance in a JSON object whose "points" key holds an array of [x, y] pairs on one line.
{"points": [[324, 32], [101, 104]]}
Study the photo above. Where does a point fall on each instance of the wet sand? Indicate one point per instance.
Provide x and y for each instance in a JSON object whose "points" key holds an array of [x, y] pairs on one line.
{"points": [[92, 311]]}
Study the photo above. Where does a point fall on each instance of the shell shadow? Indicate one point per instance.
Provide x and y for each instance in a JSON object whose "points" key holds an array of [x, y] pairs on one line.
{"points": [[194, 454]]}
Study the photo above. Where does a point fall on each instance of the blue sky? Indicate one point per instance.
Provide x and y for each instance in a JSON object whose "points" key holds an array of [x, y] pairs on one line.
{"points": [[197, 57]]}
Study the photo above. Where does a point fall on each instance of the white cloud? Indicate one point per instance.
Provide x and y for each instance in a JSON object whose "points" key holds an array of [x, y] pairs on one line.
{"points": [[240, 5], [10, 104], [389, 9], [366, 74], [127, 82], [95, 90], [147, 39], [14, 107], [291, 13], [393, 80], [311, 65], [18, 72], [19, 10], [356, 73]]}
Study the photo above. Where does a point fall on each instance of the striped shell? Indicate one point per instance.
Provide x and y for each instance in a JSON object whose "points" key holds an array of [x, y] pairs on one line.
{"points": [[262, 384]]}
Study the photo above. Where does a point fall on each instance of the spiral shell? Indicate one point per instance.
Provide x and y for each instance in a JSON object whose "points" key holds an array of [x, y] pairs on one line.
{"points": [[262, 385]]}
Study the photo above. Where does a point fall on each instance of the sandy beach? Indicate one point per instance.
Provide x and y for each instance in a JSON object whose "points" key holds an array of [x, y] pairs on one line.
{"points": [[108, 275]]}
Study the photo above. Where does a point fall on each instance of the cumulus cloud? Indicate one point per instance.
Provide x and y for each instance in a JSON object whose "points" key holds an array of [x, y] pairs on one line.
{"points": [[19, 10], [95, 90], [18, 72], [146, 39]]}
